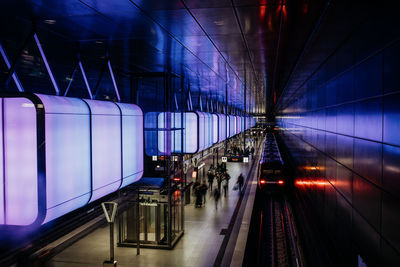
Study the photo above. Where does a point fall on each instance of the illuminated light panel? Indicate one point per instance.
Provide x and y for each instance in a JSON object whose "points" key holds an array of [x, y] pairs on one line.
{"points": [[106, 148], [227, 126], [232, 125], [190, 133], [222, 127], [202, 135], [281, 182], [66, 155], [237, 121], [67, 133], [163, 137], [21, 187], [132, 143], [215, 128], [209, 130], [1, 165], [263, 182]]}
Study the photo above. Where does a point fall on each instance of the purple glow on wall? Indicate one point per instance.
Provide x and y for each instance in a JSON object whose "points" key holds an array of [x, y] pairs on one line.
{"points": [[106, 148], [20, 150]]}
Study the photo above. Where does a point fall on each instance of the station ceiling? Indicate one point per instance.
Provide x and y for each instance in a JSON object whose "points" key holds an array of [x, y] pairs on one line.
{"points": [[212, 43]]}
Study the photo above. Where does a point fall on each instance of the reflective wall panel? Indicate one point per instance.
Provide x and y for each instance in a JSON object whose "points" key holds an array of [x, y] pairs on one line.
{"points": [[346, 121]]}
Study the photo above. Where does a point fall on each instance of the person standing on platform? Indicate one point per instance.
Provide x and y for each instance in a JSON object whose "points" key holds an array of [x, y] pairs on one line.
{"points": [[225, 186], [252, 152], [216, 195], [219, 181], [210, 178], [199, 197], [240, 182], [203, 190]]}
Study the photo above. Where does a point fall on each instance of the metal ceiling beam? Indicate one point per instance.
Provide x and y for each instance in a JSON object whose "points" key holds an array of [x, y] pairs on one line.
{"points": [[8, 64], [46, 63]]}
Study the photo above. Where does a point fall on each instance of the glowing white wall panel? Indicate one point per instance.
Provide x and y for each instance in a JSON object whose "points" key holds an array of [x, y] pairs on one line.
{"points": [[202, 134], [132, 143], [215, 128], [228, 126], [20, 161], [222, 127], [67, 133], [1, 165], [52, 158], [190, 133], [237, 121], [232, 125], [106, 148], [209, 130], [164, 137]]}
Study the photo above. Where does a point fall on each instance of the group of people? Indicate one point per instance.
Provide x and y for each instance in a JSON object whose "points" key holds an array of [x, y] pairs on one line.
{"points": [[222, 177], [235, 150]]}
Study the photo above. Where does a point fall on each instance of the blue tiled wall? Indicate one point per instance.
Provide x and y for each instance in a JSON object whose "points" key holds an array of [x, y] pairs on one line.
{"points": [[344, 130]]}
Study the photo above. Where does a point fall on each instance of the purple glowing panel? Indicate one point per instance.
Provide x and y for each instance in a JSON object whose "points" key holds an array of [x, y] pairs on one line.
{"points": [[215, 128], [227, 126], [1, 165], [164, 122], [232, 125], [209, 130], [132, 143], [237, 121], [106, 148], [202, 135], [190, 133], [176, 135], [20, 169], [222, 127], [67, 133]]}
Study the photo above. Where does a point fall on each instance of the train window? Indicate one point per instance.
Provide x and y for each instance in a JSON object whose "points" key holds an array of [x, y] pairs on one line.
{"points": [[277, 171], [268, 171]]}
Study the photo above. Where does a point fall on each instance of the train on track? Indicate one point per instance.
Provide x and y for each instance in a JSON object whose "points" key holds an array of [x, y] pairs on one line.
{"points": [[271, 174]]}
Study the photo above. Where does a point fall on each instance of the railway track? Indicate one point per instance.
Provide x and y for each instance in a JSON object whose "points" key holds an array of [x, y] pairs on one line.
{"points": [[279, 243]]}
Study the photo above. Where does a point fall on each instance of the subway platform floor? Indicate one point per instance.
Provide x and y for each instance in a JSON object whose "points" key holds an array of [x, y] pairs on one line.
{"points": [[199, 246]]}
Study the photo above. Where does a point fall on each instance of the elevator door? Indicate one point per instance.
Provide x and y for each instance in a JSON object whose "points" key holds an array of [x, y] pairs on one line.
{"points": [[152, 223]]}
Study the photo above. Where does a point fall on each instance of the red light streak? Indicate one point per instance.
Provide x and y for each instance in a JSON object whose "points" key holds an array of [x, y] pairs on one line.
{"points": [[263, 10]]}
